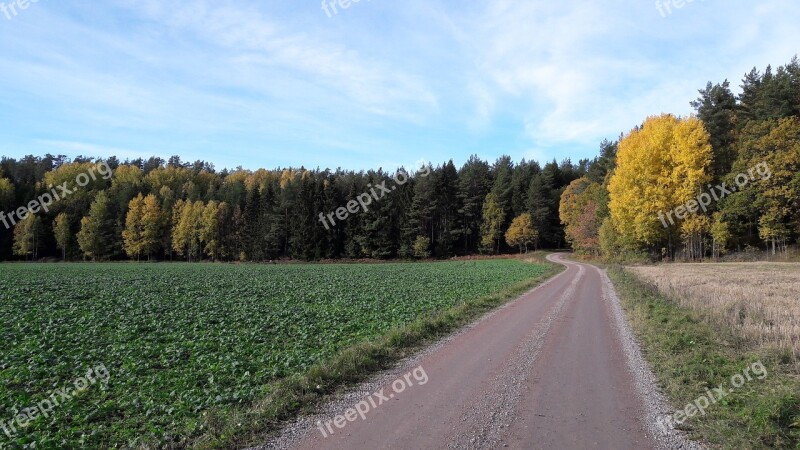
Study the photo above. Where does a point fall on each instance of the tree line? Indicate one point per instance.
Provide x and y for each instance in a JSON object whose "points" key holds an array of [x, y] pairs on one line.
{"points": [[170, 210], [727, 179], [612, 205]]}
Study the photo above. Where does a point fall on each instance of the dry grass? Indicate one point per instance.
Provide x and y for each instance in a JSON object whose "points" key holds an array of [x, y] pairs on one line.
{"points": [[760, 301]]}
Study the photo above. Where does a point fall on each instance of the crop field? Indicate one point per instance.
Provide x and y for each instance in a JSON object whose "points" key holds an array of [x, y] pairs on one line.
{"points": [[181, 340], [760, 301]]}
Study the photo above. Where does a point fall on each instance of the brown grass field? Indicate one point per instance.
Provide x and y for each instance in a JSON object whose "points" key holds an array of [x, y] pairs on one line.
{"points": [[760, 301]]}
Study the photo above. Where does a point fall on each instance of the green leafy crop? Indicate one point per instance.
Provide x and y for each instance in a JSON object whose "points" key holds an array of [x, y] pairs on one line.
{"points": [[180, 339]]}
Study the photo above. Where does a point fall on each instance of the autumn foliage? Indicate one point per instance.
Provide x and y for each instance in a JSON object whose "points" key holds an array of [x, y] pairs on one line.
{"points": [[745, 148], [659, 166], [522, 233]]}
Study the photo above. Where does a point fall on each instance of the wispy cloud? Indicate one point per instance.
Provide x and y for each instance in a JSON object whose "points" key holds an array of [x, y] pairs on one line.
{"points": [[275, 83]]}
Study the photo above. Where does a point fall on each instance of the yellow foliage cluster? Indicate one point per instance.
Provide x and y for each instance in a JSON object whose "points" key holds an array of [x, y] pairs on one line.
{"points": [[143, 224], [522, 233], [661, 165]]}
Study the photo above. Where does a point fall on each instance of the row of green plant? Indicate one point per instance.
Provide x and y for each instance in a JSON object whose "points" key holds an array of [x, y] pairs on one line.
{"points": [[190, 347]]}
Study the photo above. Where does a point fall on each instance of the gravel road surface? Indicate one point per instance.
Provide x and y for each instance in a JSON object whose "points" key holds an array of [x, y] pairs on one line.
{"points": [[557, 368]]}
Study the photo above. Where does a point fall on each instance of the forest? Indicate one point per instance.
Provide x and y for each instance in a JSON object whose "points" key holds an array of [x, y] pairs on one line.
{"points": [[730, 175], [171, 210]]}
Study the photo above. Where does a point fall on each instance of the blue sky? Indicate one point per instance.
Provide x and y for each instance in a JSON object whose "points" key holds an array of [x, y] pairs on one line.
{"points": [[378, 84]]}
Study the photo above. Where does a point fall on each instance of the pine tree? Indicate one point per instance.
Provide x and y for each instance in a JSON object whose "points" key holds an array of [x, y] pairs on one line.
{"points": [[303, 233], [420, 217], [603, 165], [540, 205], [749, 99], [502, 187], [716, 107], [254, 225], [520, 183], [380, 218], [234, 235], [474, 183], [275, 222], [447, 225]]}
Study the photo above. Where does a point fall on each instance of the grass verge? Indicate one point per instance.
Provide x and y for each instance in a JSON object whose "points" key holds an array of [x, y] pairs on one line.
{"points": [[690, 355], [300, 394]]}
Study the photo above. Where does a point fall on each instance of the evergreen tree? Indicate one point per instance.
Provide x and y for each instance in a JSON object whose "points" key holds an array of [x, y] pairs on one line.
{"points": [[540, 205], [254, 223], [503, 171], [302, 231], [716, 107], [274, 218], [446, 218], [420, 217], [474, 184], [520, 183], [604, 164]]}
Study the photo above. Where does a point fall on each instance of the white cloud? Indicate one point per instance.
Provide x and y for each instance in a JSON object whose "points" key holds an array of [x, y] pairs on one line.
{"points": [[280, 81], [253, 48], [579, 71]]}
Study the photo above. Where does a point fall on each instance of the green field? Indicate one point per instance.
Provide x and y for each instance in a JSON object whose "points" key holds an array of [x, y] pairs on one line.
{"points": [[181, 340]]}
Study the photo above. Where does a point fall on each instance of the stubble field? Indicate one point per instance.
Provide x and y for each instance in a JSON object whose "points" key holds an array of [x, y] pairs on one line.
{"points": [[759, 301]]}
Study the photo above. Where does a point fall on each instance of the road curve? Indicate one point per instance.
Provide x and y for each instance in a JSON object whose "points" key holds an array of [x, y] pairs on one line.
{"points": [[551, 370]]}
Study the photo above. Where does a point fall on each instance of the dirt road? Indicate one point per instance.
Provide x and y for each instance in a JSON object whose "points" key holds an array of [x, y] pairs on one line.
{"points": [[555, 369]]}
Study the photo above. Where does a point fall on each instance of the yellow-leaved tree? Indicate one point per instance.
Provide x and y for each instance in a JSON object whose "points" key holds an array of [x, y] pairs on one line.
{"points": [[132, 235], [187, 229], [153, 223], [491, 227], [211, 231], [522, 233], [660, 166], [27, 236], [720, 235], [62, 233], [143, 226]]}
